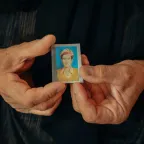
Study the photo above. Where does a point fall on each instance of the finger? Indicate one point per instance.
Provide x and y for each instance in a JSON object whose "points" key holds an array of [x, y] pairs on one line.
{"points": [[74, 102], [17, 106], [38, 95], [36, 48], [47, 112], [22, 93], [101, 74], [91, 112], [85, 60], [42, 106], [85, 104], [49, 103]]}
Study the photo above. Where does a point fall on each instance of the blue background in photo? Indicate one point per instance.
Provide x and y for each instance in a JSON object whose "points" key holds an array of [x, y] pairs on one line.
{"points": [[59, 49]]}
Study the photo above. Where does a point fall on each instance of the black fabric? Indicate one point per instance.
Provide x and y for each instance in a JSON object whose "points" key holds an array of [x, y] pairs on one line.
{"points": [[7, 6], [108, 31]]}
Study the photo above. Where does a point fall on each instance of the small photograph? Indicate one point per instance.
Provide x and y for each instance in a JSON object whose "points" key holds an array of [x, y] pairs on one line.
{"points": [[66, 61]]}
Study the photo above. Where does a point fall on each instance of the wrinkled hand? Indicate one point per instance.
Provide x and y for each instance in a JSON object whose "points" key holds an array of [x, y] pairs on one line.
{"points": [[109, 91], [16, 91]]}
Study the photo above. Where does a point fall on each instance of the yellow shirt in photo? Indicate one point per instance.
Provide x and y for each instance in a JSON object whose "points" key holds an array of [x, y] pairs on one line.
{"points": [[73, 77]]}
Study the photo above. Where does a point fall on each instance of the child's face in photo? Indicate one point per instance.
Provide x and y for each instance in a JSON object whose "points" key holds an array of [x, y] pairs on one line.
{"points": [[67, 60]]}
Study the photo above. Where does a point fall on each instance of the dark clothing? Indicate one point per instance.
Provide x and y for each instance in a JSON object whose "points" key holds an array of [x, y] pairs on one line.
{"points": [[10, 6], [109, 31]]}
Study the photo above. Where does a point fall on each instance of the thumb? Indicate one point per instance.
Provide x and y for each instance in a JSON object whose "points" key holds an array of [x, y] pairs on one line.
{"points": [[100, 73], [36, 48], [16, 57]]}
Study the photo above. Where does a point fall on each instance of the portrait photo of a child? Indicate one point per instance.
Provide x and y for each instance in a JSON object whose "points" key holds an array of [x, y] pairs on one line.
{"points": [[67, 63]]}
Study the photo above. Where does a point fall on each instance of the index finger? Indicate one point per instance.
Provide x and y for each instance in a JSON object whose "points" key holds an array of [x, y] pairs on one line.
{"points": [[36, 96], [85, 60], [22, 93]]}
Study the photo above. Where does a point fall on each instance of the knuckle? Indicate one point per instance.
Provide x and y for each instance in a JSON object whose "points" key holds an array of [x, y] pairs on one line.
{"points": [[28, 103], [127, 73], [50, 95], [21, 59], [123, 118], [128, 61], [128, 76], [102, 70], [75, 106], [89, 118]]}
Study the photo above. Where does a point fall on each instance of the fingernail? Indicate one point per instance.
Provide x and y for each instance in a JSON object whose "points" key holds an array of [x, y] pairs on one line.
{"points": [[88, 70]]}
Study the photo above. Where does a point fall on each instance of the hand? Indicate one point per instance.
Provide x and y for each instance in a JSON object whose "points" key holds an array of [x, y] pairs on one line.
{"points": [[15, 91], [109, 91]]}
